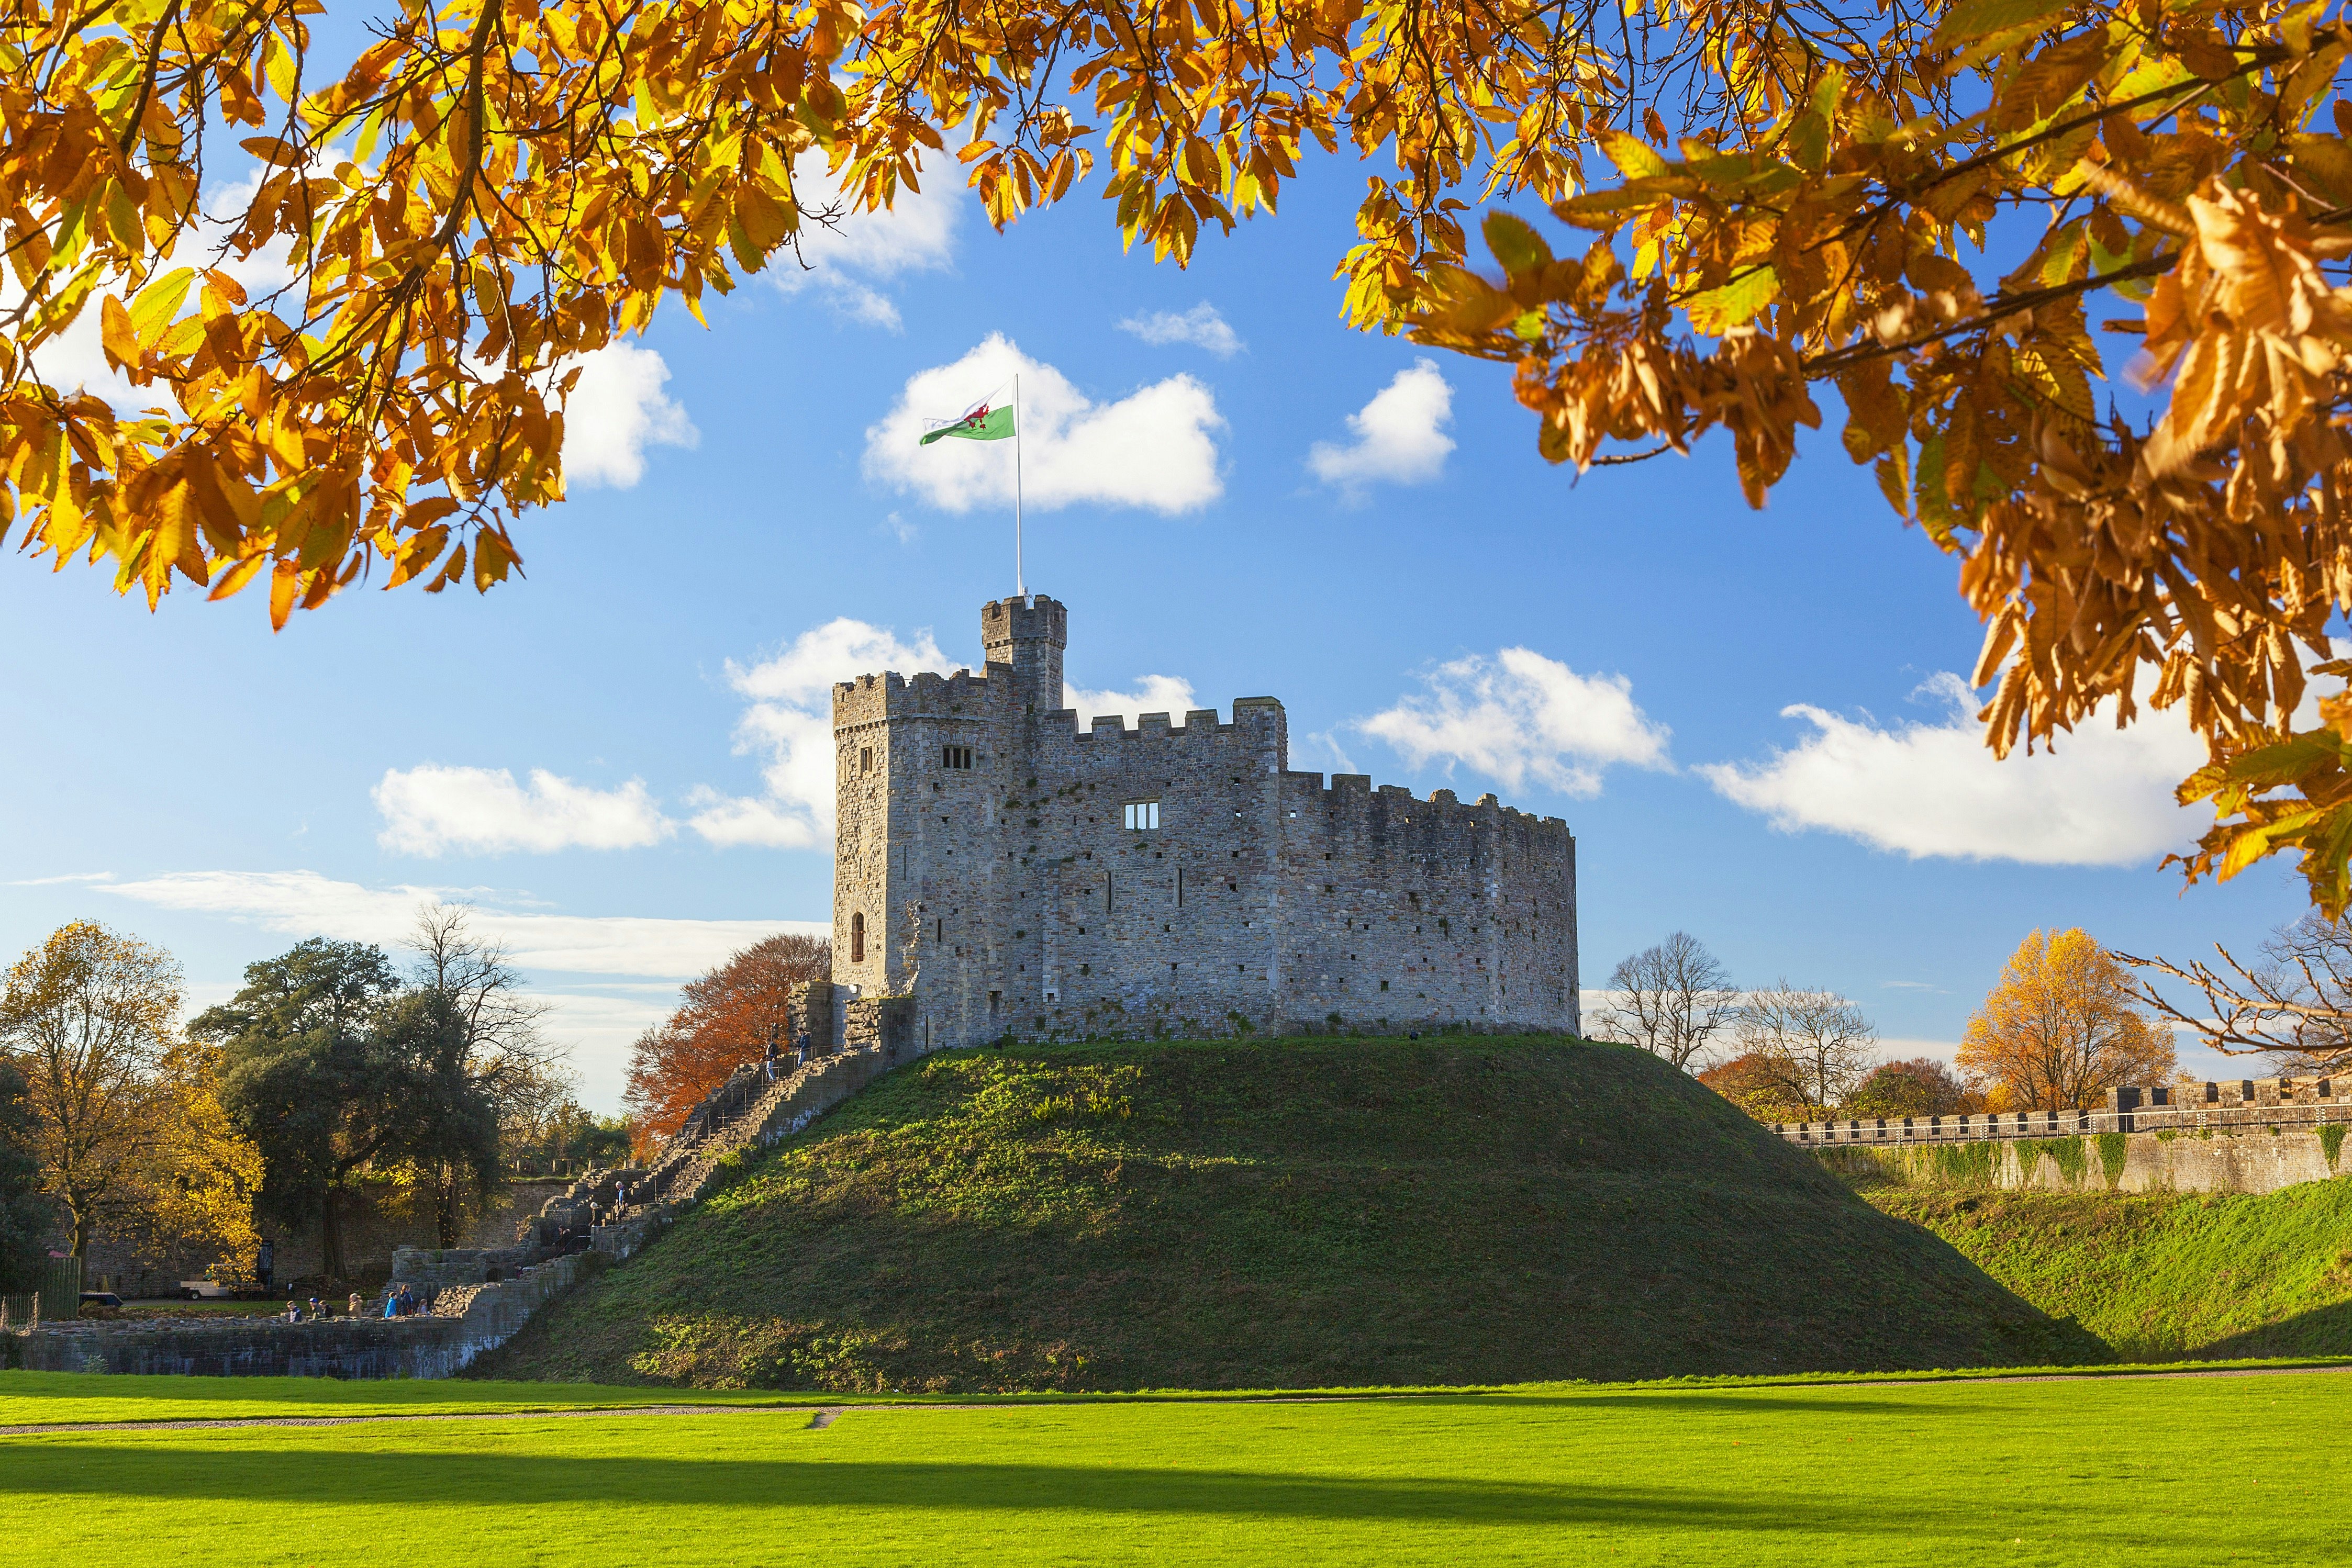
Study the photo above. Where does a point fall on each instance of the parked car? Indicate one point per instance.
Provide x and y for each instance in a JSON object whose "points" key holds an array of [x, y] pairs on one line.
{"points": [[204, 1290], [100, 1298]]}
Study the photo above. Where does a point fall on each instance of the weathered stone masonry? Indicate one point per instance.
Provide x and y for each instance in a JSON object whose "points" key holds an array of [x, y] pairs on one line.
{"points": [[1015, 875]]}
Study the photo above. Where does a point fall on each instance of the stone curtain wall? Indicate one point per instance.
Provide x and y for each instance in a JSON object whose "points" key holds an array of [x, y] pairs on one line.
{"points": [[141, 1266], [2251, 1160], [2235, 1103], [1010, 898], [441, 1345], [2248, 1135]]}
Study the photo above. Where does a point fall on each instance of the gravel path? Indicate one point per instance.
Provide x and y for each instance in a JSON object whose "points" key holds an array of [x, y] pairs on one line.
{"points": [[823, 1415]]}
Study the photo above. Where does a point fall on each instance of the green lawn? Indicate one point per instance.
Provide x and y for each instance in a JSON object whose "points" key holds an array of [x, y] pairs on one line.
{"points": [[2104, 1470]]}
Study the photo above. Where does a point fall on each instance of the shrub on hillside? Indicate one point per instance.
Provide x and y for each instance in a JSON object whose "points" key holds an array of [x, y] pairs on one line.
{"points": [[1759, 1084], [1921, 1086]]}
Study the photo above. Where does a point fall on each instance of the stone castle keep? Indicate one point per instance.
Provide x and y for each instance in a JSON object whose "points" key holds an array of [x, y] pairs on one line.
{"points": [[1000, 871]]}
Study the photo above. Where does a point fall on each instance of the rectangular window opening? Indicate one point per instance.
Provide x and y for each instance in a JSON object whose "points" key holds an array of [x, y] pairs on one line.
{"points": [[1143, 816], [956, 757], [866, 759]]}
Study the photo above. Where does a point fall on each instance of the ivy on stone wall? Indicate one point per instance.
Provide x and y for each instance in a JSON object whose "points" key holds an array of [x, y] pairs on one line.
{"points": [[2071, 1157], [2111, 1148], [1965, 1165]]}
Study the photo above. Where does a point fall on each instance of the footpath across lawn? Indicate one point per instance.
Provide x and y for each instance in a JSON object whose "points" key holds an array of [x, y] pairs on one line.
{"points": [[2189, 1471]]}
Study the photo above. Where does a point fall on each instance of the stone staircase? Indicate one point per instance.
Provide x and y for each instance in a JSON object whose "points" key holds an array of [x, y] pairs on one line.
{"points": [[746, 1111]]}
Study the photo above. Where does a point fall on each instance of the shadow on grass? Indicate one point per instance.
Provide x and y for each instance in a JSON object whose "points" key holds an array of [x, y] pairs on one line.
{"points": [[2322, 1331], [328, 1394], [293, 1476]]}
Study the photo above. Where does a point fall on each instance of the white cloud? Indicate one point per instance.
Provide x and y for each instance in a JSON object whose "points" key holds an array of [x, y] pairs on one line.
{"points": [[1151, 448], [1520, 716], [430, 811], [1398, 435], [74, 361], [305, 903], [790, 722], [1200, 326], [2101, 797], [616, 410], [1157, 694], [599, 1031], [914, 233]]}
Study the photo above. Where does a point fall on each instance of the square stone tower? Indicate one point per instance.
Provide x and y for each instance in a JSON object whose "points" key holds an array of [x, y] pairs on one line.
{"points": [[1011, 874]]}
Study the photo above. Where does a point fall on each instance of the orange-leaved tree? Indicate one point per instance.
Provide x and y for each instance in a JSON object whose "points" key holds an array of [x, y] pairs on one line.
{"points": [[2062, 1026], [1761, 1083], [361, 366], [730, 1016], [126, 1119]]}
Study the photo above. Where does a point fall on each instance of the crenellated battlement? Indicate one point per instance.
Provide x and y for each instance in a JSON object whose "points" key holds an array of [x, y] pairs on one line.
{"points": [[2150, 1108], [1251, 718], [875, 699], [1352, 791]]}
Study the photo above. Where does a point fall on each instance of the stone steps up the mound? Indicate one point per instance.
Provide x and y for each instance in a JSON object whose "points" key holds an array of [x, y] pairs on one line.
{"points": [[737, 1116]]}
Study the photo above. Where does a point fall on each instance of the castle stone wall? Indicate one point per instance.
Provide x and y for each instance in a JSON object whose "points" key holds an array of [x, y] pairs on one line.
{"points": [[2252, 1160], [987, 866]]}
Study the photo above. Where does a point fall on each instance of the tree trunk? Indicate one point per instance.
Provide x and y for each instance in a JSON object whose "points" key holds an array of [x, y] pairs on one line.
{"points": [[446, 1207], [331, 1235]]}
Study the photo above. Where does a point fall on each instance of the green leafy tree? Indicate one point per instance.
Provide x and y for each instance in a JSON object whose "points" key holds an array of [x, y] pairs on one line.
{"points": [[306, 1076], [24, 1212], [1920, 1086], [446, 1130], [568, 1133]]}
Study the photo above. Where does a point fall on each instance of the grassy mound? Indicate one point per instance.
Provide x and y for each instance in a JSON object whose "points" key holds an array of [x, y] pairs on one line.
{"points": [[1280, 1214], [2164, 1275]]}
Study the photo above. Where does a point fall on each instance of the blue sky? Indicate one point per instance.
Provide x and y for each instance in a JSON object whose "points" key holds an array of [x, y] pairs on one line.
{"points": [[1307, 513]]}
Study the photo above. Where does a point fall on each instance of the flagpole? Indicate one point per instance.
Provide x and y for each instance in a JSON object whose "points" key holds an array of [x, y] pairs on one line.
{"points": [[1020, 578]]}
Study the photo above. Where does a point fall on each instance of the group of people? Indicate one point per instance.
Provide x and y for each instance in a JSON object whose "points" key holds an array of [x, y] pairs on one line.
{"points": [[400, 1301], [780, 1063]]}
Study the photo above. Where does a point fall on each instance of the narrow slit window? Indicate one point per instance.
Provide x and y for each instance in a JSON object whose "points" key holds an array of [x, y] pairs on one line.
{"points": [[866, 759], [857, 938], [1107, 894], [1179, 888], [1143, 816]]}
